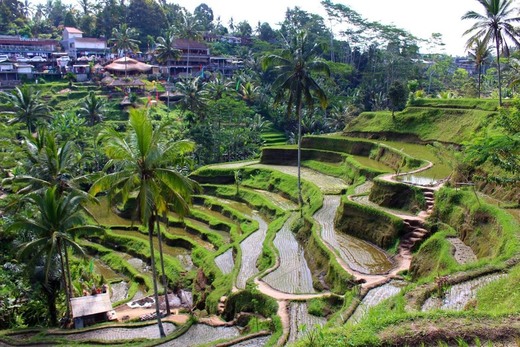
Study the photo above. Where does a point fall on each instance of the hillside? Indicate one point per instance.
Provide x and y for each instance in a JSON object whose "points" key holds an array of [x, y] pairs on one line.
{"points": [[390, 246]]}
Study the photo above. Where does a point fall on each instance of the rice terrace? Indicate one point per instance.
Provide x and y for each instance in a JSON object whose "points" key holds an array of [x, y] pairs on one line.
{"points": [[168, 180]]}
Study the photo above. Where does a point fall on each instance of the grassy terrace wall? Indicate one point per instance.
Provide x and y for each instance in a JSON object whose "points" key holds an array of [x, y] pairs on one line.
{"points": [[427, 120], [379, 152], [492, 233], [397, 195], [368, 224]]}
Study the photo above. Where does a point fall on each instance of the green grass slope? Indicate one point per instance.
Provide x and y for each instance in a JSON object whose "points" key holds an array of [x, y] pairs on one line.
{"points": [[454, 123]]}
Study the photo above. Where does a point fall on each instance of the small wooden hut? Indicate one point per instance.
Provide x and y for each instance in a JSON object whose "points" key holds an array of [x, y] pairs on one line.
{"points": [[91, 309]]}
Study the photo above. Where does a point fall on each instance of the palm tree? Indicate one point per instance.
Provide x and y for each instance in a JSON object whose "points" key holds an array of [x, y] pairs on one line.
{"points": [[49, 165], [293, 67], [248, 92], [479, 52], [165, 50], [218, 86], [123, 40], [497, 25], [189, 29], [26, 107], [57, 220], [139, 163], [92, 108], [193, 95]]}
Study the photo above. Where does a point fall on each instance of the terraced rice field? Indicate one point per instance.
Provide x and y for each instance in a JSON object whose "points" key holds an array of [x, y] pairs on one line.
{"points": [[225, 261], [327, 184], [359, 255], [301, 321], [111, 334], [278, 200], [293, 274], [374, 297], [371, 163], [203, 226], [459, 295], [251, 250], [199, 334]]}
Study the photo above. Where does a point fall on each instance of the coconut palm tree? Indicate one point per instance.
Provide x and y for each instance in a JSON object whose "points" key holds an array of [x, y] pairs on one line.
{"points": [[26, 107], [218, 86], [479, 52], [139, 164], [58, 218], [193, 95], [293, 68], [49, 165], [497, 25], [92, 108], [165, 50]]}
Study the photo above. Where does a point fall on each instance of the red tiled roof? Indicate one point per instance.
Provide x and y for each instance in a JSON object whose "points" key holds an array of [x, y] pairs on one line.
{"points": [[72, 30]]}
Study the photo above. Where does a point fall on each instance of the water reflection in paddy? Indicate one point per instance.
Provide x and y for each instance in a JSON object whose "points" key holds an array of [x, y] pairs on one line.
{"points": [[104, 215], [293, 274], [418, 180], [360, 255], [225, 261], [251, 250]]}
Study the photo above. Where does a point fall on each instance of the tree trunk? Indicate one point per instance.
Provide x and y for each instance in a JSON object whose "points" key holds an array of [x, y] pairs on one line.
{"points": [[298, 111], [151, 222], [50, 293], [64, 278], [479, 78], [497, 42], [164, 279], [67, 266]]}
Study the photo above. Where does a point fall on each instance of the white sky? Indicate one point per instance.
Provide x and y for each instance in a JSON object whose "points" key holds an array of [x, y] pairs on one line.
{"points": [[419, 17]]}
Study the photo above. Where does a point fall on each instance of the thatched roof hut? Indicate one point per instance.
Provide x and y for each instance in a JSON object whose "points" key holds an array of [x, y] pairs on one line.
{"points": [[127, 65]]}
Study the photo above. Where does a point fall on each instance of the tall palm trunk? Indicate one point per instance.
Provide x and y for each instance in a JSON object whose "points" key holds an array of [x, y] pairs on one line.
{"points": [[298, 113], [497, 43], [67, 267], [64, 278], [50, 295], [479, 79], [151, 222], [164, 279]]}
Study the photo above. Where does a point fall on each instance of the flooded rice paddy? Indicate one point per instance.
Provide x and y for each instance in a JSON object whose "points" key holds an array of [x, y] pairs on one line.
{"points": [[225, 261], [278, 200], [374, 297], [111, 334], [293, 274], [359, 255], [371, 163], [327, 184], [418, 180], [256, 342], [459, 295], [251, 250], [301, 321], [199, 334]]}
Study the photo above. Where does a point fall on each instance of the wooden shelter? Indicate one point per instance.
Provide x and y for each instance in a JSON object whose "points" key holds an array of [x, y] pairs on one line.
{"points": [[90, 309], [127, 65]]}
